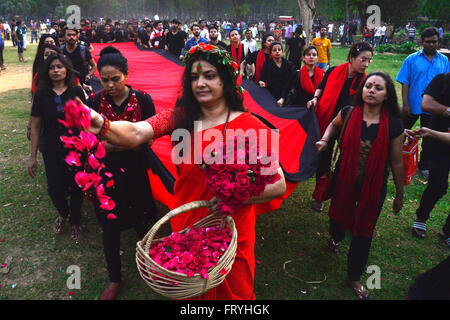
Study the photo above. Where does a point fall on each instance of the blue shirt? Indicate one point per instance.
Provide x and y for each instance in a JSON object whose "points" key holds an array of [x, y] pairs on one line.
{"points": [[417, 72], [192, 43]]}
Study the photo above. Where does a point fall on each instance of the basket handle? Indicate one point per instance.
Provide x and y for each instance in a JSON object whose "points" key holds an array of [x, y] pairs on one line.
{"points": [[181, 209]]}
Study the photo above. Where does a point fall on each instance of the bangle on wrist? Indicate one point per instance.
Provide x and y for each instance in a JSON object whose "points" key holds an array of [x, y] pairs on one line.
{"points": [[324, 140], [316, 97], [105, 127]]}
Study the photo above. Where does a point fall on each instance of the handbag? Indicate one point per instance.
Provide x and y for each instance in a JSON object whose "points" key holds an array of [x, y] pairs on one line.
{"points": [[410, 155], [322, 192]]}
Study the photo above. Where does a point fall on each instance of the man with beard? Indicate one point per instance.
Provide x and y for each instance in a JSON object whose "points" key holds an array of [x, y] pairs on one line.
{"points": [[214, 38], [195, 40], [79, 55], [175, 39]]}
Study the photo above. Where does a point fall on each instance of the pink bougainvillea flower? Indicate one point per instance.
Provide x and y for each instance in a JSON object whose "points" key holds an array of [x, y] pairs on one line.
{"points": [[73, 158], [77, 116]]}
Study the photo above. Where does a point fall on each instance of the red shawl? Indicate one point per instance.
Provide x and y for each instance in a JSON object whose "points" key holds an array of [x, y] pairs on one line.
{"points": [[305, 80], [327, 103], [360, 215], [260, 59], [132, 111], [237, 57]]}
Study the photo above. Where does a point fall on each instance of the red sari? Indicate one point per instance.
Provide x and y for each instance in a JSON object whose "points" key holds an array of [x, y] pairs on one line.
{"points": [[190, 186]]}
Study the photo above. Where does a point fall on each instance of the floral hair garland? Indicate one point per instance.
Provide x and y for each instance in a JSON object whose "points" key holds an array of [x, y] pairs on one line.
{"points": [[222, 57]]}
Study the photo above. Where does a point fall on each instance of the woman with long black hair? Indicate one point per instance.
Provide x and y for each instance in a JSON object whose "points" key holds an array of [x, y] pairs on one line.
{"points": [[56, 87], [132, 193], [372, 140]]}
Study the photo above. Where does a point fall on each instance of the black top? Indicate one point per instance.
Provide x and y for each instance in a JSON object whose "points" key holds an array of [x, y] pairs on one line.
{"points": [[368, 136], [175, 42], [49, 106], [120, 35], [222, 45], [345, 99], [231, 47], [295, 49], [145, 38], [297, 96], [79, 64], [251, 57], [277, 78], [107, 36], [439, 89]]}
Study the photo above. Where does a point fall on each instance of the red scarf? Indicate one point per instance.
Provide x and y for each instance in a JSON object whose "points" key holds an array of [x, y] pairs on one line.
{"points": [[305, 80], [260, 59], [237, 58], [132, 111], [360, 215], [327, 103]]}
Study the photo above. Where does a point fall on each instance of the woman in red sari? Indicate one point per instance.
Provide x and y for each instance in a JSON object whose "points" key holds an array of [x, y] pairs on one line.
{"points": [[211, 96]]}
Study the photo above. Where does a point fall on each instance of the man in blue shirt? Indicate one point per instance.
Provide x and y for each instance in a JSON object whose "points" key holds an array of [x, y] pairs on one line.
{"points": [[195, 40], [415, 74]]}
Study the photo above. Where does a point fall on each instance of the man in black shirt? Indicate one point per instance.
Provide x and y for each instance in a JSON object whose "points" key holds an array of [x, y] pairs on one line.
{"points": [[145, 36], [436, 101], [295, 47], [119, 33], [214, 37], [107, 36], [175, 39], [79, 55]]}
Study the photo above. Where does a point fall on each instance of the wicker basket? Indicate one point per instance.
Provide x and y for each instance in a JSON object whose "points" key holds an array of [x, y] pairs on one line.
{"points": [[177, 285]]}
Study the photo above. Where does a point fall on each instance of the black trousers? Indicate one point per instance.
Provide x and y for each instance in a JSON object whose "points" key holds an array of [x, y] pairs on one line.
{"points": [[111, 247], [357, 255], [425, 121], [2, 46], [435, 190], [61, 184]]}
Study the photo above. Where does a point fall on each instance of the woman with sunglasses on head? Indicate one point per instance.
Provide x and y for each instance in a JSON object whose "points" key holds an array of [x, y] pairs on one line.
{"points": [[56, 87], [371, 142], [337, 90]]}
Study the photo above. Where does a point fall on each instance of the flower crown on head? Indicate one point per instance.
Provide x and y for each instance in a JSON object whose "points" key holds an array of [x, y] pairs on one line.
{"points": [[221, 56]]}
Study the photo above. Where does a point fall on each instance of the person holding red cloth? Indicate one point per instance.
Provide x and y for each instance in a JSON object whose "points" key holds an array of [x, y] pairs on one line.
{"points": [[258, 58], [337, 90], [211, 95], [238, 50], [306, 81], [371, 141]]}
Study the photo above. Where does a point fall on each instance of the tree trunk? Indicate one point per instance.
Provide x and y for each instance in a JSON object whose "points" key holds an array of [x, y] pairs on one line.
{"points": [[307, 13]]}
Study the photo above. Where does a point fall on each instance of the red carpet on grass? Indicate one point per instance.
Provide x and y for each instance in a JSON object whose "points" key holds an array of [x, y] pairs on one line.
{"points": [[159, 74]]}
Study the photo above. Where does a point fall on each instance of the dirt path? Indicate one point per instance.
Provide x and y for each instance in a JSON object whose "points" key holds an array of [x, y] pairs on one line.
{"points": [[16, 76]]}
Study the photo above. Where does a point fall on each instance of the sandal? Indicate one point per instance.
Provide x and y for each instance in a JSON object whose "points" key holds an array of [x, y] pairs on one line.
{"points": [[317, 206], [76, 232], [58, 227], [334, 246], [361, 292], [419, 229]]}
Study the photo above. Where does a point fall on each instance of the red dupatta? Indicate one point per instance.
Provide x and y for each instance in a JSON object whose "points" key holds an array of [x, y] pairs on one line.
{"points": [[305, 80], [327, 103], [260, 59], [237, 57], [359, 215]]}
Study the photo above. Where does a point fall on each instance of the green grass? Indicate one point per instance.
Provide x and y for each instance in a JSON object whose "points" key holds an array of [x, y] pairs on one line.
{"points": [[294, 233]]}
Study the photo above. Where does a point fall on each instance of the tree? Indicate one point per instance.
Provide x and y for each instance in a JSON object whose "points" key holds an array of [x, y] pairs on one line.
{"points": [[307, 12], [436, 9]]}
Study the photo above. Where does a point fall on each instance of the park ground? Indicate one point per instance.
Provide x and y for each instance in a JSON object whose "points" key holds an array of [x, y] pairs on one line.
{"points": [[290, 243]]}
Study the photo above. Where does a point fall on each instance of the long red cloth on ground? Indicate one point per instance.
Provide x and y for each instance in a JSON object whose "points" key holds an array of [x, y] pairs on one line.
{"points": [[160, 77]]}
